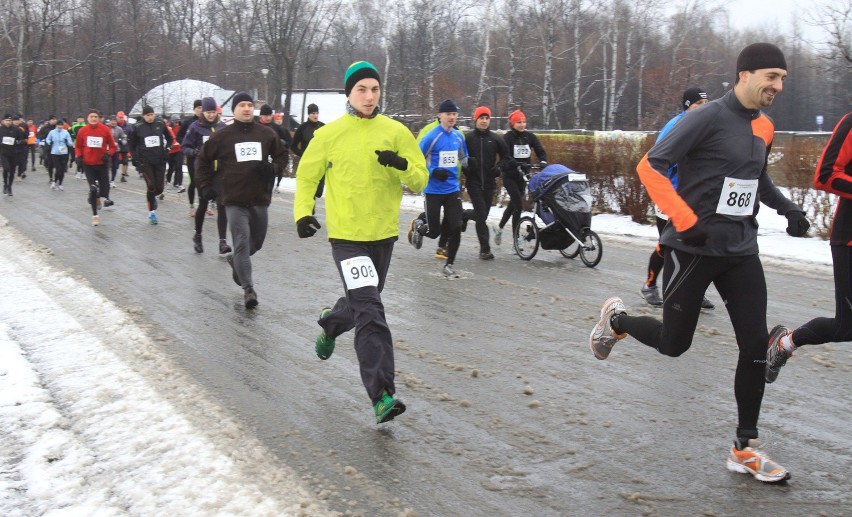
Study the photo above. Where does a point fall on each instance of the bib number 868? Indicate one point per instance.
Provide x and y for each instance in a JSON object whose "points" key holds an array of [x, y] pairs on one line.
{"points": [[739, 199]]}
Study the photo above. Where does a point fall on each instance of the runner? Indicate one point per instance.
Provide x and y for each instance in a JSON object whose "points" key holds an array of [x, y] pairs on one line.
{"points": [[693, 98], [198, 133], [722, 151], [148, 143], [484, 145], [121, 155], [9, 134], [520, 144], [59, 143], [445, 149], [22, 149], [185, 124], [121, 119], [248, 156], [302, 137], [372, 155], [832, 175], [32, 142], [94, 148], [46, 154]]}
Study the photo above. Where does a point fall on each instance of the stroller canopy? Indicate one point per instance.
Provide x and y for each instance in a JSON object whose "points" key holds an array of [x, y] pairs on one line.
{"points": [[552, 175]]}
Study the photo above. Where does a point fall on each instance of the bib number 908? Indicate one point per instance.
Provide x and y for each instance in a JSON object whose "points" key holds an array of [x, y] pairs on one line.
{"points": [[359, 272]]}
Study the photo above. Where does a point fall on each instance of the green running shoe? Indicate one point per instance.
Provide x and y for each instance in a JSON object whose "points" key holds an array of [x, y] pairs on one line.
{"points": [[325, 344], [388, 408]]}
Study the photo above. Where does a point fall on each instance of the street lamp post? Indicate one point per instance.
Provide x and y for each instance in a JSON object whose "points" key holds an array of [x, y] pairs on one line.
{"points": [[265, 72]]}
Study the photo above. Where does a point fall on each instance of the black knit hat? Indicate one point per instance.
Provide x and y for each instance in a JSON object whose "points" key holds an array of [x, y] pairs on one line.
{"points": [[147, 109], [240, 97], [448, 106], [313, 108], [761, 55], [196, 103], [266, 109], [693, 95], [7, 116]]}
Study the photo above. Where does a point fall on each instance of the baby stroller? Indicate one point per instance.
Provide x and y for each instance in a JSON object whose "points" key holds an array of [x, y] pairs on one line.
{"points": [[563, 206]]}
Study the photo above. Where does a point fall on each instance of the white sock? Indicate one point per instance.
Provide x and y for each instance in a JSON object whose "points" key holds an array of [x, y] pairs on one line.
{"points": [[786, 343]]}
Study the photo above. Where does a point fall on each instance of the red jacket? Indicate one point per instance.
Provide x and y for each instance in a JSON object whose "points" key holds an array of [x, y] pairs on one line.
{"points": [[86, 145]]}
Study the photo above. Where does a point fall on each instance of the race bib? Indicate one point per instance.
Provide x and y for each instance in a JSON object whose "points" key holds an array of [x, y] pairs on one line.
{"points": [[576, 176], [522, 151], [738, 197], [8, 140], [247, 151], [204, 139], [63, 149], [448, 159], [94, 141], [359, 272], [152, 141]]}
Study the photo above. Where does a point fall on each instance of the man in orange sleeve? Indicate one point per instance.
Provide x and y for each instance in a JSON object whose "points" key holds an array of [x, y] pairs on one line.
{"points": [[721, 151]]}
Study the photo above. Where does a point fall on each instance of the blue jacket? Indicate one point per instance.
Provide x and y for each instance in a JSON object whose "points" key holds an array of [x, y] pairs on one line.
{"points": [[60, 141], [446, 150], [663, 132]]}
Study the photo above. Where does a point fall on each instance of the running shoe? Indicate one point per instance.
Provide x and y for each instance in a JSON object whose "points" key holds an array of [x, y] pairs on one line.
{"points": [[152, 217], [223, 247], [162, 197], [234, 274], [449, 272], [707, 304], [60, 187], [96, 220], [196, 243], [108, 202], [776, 354], [603, 337], [652, 296], [250, 298], [486, 255], [325, 344], [441, 253], [750, 460], [124, 178], [112, 184], [210, 211], [52, 186], [417, 237], [388, 408], [181, 189], [498, 234]]}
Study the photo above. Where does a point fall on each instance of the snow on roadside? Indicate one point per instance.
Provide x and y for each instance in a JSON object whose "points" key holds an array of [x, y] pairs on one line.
{"points": [[83, 431]]}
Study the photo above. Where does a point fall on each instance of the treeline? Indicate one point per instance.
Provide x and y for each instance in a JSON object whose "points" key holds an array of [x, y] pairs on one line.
{"points": [[590, 64]]}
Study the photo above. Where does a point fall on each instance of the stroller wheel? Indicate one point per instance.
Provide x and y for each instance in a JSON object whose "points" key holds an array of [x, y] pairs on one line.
{"points": [[571, 251], [525, 238], [591, 248]]}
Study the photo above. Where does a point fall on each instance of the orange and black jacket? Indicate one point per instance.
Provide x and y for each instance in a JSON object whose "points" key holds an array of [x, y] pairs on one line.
{"points": [[834, 174], [721, 142]]}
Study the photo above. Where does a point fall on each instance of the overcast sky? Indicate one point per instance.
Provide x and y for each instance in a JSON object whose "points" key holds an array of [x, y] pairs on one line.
{"points": [[745, 14]]}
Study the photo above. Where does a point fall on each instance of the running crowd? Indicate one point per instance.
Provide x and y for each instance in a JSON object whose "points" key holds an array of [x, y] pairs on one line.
{"points": [[707, 174]]}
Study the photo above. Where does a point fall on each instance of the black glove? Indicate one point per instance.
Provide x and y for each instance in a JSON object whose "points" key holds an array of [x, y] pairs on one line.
{"points": [[307, 226], [696, 235], [105, 158], [208, 193], [390, 158], [441, 174], [472, 164], [797, 225]]}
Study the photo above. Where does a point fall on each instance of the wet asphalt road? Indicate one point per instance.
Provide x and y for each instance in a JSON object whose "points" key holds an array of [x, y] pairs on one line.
{"points": [[509, 412]]}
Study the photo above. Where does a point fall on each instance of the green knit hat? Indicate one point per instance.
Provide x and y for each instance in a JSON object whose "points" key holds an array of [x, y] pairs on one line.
{"points": [[357, 71]]}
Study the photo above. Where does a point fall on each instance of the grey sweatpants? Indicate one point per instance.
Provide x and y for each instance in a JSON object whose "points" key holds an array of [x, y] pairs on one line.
{"points": [[362, 309], [248, 230]]}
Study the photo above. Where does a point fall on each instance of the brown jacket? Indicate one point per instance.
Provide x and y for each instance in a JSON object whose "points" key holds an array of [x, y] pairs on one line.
{"points": [[250, 156]]}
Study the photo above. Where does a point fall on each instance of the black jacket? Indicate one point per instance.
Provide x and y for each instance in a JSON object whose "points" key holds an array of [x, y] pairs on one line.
{"points": [[149, 143], [515, 141], [10, 138], [485, 146], [303, 136]]}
